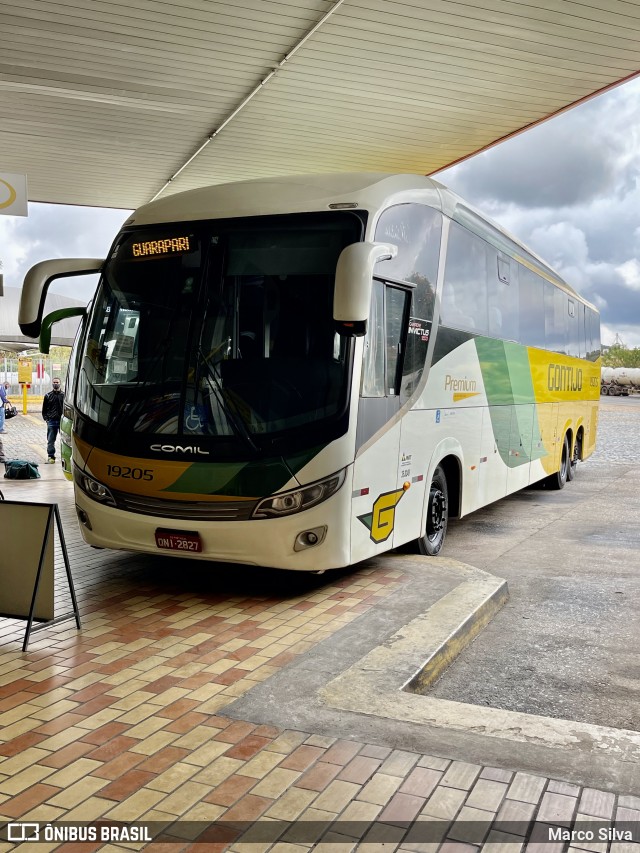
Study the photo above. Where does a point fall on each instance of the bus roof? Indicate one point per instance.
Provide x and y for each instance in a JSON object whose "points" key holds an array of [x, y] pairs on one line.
{"points": [[371, 191]]}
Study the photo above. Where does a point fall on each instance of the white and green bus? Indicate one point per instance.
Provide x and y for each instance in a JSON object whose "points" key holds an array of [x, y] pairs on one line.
{"points": [[304, 372]]}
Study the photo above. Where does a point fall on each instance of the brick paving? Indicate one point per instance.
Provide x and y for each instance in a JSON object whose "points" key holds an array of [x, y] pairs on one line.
{"points": [[125, 720]]}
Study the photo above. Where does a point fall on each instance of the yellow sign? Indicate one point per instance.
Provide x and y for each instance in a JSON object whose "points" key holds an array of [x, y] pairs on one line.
{"points": [[13, 194], [160, 247], [25, 370]]}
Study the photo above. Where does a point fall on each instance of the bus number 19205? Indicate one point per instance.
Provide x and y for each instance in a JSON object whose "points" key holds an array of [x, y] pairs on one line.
{"points": [[131, 473]]}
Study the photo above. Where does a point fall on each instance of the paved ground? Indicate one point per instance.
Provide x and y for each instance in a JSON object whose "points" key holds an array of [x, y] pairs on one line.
{"points": [[127, 720], [566, 644]]}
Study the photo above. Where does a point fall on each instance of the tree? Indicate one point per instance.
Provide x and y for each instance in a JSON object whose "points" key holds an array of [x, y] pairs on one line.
{"points": [[620, 356]]}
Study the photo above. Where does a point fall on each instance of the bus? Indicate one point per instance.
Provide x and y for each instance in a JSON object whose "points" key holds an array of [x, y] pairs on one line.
{"points": [[305, 372]]}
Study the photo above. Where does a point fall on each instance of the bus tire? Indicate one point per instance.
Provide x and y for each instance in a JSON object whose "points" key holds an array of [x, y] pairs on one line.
{"points": [[577, 454], [558, 480], [437, 516]]}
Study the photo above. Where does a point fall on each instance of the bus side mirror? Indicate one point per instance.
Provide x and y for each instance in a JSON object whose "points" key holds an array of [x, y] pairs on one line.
{"points": [[354, 280], [36, 284], [55, 317]]}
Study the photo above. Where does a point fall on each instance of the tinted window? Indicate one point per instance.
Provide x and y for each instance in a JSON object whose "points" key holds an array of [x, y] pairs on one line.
{"points": [[415, 229], [384, 339], [464, 297], [593, 334], [396, 301], [583, 332], [574, 333], [373, 377], [219, 328], [555, 318], [504, 310], [531, 309]]}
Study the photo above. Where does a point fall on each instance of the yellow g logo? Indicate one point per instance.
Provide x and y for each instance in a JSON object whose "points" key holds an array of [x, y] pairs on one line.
{"points": [[383, 516]]}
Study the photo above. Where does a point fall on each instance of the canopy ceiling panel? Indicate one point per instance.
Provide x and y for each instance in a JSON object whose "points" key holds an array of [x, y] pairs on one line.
{"points": [[110, 103]]}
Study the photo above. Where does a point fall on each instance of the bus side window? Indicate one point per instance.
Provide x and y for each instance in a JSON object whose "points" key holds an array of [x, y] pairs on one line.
{"points": [[582, 330], [593, 334], [573, 328], [396, 321], [373, 373], [504, 309], [532, 332], [555, 318], [464, 298], [385, 340], [415, 229]]}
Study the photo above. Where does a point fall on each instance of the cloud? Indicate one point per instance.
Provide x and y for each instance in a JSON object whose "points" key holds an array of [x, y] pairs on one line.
{"points": [[57, 231], [570, 189], [586, 153], [548, 166], [630, 272]]}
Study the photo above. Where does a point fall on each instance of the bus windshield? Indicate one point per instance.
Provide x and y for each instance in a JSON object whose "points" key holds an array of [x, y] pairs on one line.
{"points": [[219, 328]]}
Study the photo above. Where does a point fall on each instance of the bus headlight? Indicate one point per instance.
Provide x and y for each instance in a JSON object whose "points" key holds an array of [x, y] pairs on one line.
{"points": [[297, 500], [94, 489]]}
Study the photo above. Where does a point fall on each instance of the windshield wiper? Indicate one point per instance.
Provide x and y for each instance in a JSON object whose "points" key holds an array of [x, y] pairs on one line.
{"points": [[234, 417]]}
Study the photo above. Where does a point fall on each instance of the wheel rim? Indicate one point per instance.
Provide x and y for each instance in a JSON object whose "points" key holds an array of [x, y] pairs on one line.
{"points": [[437, 513], [565, 460]]}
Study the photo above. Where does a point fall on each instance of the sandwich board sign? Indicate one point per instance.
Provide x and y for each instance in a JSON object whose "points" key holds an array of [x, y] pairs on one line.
{"points": [[27, 565]]}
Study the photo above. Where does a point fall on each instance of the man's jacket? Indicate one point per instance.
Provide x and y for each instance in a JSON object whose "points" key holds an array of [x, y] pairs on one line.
{"points": [[52, 405]]}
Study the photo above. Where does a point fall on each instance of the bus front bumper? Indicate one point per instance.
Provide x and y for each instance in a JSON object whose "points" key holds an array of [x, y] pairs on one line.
{"points": [[274, 542]]}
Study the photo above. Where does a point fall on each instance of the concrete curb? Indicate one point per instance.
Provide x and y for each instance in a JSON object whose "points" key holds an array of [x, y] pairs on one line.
{"points": [[343, 687], [428, 644], [472, 606]]}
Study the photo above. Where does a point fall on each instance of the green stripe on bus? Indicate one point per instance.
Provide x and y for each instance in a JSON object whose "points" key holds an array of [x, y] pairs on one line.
{"points": [[506, 374]]}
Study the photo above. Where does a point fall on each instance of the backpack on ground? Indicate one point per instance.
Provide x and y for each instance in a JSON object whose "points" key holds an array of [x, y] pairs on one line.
{"points": [[20, 469]]}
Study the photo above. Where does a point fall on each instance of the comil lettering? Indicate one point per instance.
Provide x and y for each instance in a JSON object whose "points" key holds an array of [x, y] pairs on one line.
{"points": [[179, 448], [563, 378], [453, 384]]}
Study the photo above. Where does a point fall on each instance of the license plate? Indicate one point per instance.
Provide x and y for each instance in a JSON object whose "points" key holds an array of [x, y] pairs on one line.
{"points": [[178, 540]]}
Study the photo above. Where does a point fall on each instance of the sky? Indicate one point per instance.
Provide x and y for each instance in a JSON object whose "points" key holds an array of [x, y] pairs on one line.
{"points": [[568, 188]]}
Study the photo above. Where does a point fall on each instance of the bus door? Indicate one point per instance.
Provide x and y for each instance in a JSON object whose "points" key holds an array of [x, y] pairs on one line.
{"points": [[376, 469]]}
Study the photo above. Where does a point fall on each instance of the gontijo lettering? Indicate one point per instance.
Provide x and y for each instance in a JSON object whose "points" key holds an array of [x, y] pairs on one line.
{"points": [[160, 247], [563, 378]]}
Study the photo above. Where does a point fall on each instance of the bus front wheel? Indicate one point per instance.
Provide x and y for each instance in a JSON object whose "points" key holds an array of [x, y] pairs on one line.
{"points": [[437, 516]]}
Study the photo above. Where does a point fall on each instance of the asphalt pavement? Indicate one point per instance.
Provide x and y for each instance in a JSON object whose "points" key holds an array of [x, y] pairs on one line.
{"points": [[566, 643]]}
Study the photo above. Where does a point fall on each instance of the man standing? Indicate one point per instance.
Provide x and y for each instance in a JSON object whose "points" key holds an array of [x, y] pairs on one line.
{"points": [[52, 412], [3, 400]]}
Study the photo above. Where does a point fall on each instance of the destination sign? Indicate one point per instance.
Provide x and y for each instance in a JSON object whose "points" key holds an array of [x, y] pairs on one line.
{"points": [[155, 248]]}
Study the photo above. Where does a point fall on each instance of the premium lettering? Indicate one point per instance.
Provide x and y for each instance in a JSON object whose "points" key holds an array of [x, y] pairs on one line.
{"points": [[452, 384]]}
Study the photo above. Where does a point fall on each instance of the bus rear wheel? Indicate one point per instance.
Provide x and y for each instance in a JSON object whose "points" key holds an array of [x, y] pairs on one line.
{"points": [[437, 516], [577, 455], [558, 480]]}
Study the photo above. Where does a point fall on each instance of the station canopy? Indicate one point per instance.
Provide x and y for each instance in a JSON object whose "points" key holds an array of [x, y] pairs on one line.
{"points": [[102, 102]]}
